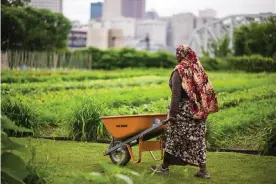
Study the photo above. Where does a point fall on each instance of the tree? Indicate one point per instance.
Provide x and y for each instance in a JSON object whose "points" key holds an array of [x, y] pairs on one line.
{"points": [[14, 2], [26, 28], [13, 29], [256, 38], [220, 48]]}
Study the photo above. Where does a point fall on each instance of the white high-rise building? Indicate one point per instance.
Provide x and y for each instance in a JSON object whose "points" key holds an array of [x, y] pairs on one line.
{"points": [[128, 25], [206, 16], [155, 29], [53, 5], [134, 8], [207, 13], [182, 26], [112, 9]]}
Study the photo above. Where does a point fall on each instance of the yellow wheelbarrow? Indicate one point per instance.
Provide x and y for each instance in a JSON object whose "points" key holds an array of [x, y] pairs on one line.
{"points": [[128, 131]]}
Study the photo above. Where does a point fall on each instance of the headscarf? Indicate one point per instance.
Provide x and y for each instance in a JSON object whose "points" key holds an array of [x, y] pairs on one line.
{"points": [[196, 83]]}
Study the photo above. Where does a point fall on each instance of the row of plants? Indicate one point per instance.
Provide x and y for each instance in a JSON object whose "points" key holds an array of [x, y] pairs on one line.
{"points": [[93, 84], [52, 105], [250, 122], [141, 94], [235, 82], [81, 117], [28, 76]]}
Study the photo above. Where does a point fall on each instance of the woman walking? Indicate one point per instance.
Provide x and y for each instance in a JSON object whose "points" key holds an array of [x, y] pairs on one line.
{"points": [[193, 98]]}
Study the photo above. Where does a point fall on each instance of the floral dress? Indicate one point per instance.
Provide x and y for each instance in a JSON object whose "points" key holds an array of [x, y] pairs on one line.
{"points": [[185, 137]]}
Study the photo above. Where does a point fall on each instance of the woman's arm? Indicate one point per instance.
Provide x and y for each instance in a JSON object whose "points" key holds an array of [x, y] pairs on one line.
{"points": [[176, 94]]}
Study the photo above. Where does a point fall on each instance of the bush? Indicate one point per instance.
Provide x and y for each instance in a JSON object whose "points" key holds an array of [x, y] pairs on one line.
{"points": [[84, 120], [21, 113], [210, 63], [253, 63], [13, 168]]}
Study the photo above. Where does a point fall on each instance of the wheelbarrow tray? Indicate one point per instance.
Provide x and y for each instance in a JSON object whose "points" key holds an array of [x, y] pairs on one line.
{"points": [[150, 132], [123, 127]]}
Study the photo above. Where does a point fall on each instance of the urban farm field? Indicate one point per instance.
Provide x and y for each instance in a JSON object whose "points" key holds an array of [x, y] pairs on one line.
{"points": [[50, 102], [69, 103]]}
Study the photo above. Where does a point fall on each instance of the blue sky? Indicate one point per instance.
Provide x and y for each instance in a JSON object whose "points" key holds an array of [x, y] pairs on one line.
{"points": [[80, 9]]}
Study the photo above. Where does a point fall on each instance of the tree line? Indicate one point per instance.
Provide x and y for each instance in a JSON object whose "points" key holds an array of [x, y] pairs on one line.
{"points": [[32, 29], [249, 39]]}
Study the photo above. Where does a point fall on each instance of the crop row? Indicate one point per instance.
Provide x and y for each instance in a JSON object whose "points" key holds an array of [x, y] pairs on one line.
{"points": [[15, 76], [37, 87]]}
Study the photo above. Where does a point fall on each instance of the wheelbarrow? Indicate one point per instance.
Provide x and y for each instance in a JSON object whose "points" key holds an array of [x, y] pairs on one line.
{"points": [[128, 131]]}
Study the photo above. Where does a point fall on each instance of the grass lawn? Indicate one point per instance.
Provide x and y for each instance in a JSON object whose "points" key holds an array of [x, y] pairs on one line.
{"points": [[61, 158]]}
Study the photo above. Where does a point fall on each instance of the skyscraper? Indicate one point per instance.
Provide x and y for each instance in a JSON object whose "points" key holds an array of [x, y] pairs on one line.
{"points": [[182, 26], [134, 8], [123, 8], [153, 15], [112, 9], [53, 5], [96, 10]]}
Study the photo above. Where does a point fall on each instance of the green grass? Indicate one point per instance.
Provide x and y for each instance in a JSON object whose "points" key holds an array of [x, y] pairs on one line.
{"points": [[63, 158]]}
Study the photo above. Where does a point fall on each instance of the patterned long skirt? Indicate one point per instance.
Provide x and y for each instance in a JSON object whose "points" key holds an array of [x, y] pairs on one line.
{"points": [[186, 137]]}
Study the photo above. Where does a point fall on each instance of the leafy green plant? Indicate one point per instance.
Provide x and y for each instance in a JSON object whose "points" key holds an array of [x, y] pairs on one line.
{"points": [[20, 113], [270, 146], [84, 120], [13, 168], [37, 174]]}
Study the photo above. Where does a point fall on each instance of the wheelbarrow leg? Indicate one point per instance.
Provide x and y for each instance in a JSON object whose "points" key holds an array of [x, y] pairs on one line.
{"points": [[147, 146], [161, 149], [132, 156]]}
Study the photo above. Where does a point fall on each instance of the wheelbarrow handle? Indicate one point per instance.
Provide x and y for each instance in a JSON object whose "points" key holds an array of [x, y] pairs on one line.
{"points": [[165, 121]]}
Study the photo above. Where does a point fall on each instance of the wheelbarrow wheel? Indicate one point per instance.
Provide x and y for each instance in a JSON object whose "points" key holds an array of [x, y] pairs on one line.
{"points": [[120, 156]]}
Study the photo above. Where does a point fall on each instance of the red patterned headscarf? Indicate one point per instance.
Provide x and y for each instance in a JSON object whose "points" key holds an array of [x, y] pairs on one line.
{"points": [[196, 83]]}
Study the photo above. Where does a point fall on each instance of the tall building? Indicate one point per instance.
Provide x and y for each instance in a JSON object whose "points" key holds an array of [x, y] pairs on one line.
{"points": [[96, 10], [207, 13], [123, 8], [153, 15], [134, 8], [53, 5], [169, 37], [182, 26], [104, 38], [155, 29], [206, 16], [112, 9], [78, 35], [128, 25]]}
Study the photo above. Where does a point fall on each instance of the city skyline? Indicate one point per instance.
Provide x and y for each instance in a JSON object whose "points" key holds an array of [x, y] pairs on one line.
{"points": [[80, 10]]}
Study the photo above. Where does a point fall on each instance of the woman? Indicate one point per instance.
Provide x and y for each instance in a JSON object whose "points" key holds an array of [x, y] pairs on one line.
{"points": [[193, 98]]}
